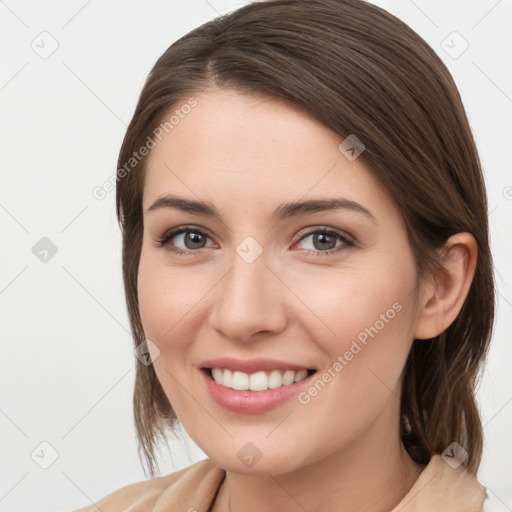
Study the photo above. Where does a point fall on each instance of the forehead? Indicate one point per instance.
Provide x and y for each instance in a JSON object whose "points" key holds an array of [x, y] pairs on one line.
{"points": [[254, 150]]}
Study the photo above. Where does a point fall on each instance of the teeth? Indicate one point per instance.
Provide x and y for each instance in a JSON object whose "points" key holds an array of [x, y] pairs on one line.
{"points": [[288, 378], [240, 381], [259, 381], [275, 380]]}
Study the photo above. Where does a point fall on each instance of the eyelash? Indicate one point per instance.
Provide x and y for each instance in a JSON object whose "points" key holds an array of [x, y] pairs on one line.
{"points": [[169, 235]]}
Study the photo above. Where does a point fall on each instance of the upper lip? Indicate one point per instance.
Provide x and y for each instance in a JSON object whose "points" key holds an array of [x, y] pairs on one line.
{"points": [[252, 365]]}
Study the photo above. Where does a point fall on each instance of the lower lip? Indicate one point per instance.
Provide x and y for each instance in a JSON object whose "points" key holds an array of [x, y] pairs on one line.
{"points": [[251, 402]]}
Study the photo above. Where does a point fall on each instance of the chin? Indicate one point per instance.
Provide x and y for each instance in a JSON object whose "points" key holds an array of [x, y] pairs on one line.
{"points": [[259, 465]]}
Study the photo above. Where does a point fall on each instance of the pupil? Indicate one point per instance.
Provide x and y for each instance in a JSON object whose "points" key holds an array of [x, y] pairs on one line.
{"points": [[324, 237], [195, 237]]}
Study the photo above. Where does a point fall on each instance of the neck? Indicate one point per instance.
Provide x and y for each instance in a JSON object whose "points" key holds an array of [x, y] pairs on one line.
{"points": [[372, 474]]}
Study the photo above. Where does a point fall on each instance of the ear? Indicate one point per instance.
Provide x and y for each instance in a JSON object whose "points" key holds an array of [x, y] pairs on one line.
{"points": [[441, 300]]}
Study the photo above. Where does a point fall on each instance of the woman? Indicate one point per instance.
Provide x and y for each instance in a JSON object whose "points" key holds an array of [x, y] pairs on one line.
{"points": [[335, 378]]}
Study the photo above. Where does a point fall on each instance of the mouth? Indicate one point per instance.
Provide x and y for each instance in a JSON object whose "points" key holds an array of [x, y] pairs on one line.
{"points": [[253, 386], [257, 381]]}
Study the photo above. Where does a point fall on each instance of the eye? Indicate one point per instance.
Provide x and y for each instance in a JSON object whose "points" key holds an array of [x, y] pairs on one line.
{"points": [[193, 238], [323, 241]]}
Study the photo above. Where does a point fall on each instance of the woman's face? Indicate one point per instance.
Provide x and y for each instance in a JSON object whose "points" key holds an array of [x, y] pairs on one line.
{"points": [[272, 289]]}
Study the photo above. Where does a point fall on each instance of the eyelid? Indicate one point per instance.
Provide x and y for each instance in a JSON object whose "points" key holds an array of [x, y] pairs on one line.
{"points": [[178, 230], [325, 229]]}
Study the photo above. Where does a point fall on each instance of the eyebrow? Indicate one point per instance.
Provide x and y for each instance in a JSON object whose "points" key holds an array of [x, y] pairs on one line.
{"points": [[283, 211]]}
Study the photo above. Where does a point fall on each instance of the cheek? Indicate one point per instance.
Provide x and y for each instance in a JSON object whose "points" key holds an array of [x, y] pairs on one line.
{"points": [[348, 303], [374, 332], [168, 301], [362, 320], [365, 333]]}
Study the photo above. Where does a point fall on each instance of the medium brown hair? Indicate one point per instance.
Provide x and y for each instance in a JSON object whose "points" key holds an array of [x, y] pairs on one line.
{"points": [[359, 70]]}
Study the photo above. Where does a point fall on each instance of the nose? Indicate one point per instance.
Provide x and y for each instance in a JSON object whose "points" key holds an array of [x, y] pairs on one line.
{"points": [[249, 301]]}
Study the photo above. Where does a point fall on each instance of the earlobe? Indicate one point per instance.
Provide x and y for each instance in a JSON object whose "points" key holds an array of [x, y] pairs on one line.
{"points": [[443, 298]]}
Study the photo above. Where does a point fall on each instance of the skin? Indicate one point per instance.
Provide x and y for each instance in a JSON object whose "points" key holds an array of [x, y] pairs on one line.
{"points": [[246, 155]]}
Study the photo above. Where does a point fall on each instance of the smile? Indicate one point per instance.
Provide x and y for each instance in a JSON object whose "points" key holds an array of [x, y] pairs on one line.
{"points": [[253, 386], [259, 381]]}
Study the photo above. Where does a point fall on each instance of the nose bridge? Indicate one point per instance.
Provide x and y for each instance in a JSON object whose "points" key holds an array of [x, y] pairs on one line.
{"points": [[248, 299]]}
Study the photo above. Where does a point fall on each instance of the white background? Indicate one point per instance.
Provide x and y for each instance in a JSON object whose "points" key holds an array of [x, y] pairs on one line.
{"points": [[67, 369]]}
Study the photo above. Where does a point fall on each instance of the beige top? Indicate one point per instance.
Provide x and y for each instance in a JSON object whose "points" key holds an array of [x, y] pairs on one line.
{"points": [[439, 488]]}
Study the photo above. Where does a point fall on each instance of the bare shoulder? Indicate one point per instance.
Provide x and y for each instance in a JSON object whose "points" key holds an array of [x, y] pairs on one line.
{"points": [[202, 477]]}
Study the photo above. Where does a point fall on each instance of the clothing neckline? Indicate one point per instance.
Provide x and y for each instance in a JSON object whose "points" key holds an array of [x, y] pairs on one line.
{"points": [[439, 488]]}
